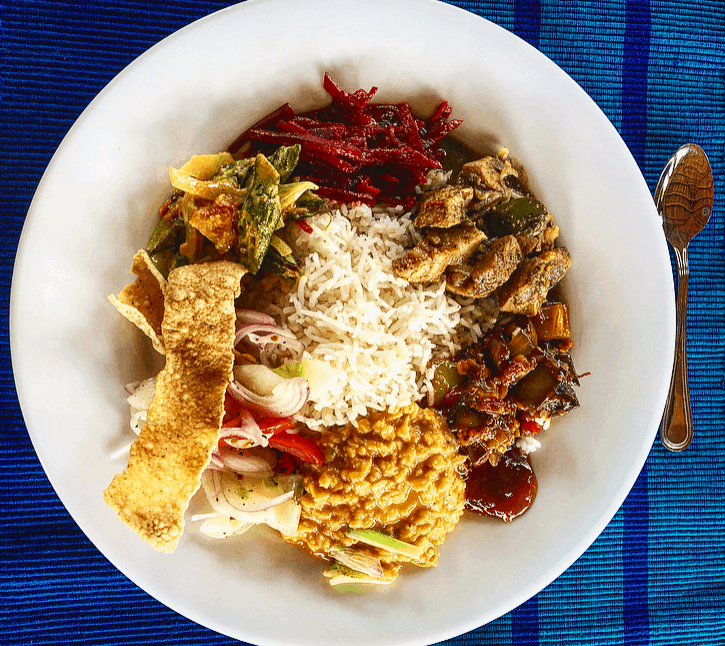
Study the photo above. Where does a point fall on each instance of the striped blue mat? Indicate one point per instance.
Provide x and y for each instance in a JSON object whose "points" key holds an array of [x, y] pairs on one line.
{"points": [[656, 575]]}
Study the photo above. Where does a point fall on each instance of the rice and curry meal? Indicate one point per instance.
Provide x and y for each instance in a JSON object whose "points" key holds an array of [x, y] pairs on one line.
{"points": [[362, 334]]}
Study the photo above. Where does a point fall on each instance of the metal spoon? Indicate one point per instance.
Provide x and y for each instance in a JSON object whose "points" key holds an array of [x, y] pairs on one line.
{"points": [[684, 198]]}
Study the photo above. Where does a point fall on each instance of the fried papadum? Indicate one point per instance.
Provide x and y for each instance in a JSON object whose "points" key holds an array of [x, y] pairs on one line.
{"points": [[142, 302], [184, 418]]}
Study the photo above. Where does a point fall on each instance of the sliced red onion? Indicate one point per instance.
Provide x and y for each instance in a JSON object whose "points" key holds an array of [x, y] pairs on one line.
{"points": [[248, 430], [245, 317], [286, 400], [268, 337], [262, 335], [216, 462], [267, 349]]}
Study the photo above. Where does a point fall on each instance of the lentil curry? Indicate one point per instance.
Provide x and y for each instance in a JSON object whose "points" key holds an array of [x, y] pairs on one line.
{"points": [[399, 472]]}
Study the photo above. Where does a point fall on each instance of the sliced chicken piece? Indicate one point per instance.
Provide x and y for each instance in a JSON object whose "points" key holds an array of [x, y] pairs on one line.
{"points": [[534, 241], [488, 273], [489, 173], [142, 302], [526, 291], [551, 233], [445, 207], [428, 260]]}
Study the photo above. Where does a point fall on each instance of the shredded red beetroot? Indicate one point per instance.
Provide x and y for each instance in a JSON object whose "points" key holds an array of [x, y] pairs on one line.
{"points": [[354, 150], [282, 112]]}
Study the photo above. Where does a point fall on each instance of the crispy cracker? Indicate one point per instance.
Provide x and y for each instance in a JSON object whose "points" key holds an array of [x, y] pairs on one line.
{"points": [[182, 428], [142, 302]]}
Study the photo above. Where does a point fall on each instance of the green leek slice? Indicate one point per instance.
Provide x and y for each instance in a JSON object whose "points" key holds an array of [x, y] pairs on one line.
{"points": [[385, 542], [339, 574], [357, 560]]}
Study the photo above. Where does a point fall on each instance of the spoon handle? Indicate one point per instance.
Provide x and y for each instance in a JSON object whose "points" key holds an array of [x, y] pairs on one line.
{"points": [[676, 429]]}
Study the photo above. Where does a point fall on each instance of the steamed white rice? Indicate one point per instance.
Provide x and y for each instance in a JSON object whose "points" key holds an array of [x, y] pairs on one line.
{"points": [[379, 332]]}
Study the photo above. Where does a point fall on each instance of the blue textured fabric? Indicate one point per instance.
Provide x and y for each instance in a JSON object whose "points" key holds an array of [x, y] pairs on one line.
{"points": [[656, 575]]}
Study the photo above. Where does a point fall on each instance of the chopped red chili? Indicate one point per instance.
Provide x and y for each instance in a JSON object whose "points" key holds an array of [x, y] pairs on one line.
{"points": [[276, 424], [304, 226], [285, 464], [453, 395], [528, 425], [298, 446]]}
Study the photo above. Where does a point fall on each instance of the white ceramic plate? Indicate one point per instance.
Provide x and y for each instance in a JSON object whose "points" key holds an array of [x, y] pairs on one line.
{"points": [[194, 92]]}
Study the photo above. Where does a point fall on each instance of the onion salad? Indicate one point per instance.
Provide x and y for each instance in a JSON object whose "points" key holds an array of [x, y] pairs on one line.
{"points": [[250, 479]]}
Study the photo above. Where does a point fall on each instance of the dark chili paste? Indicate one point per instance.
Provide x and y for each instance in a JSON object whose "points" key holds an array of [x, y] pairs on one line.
{"points": [[506, 490]]}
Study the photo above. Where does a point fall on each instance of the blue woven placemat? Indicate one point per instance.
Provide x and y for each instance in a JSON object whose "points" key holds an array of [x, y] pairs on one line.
{"points": [[656, 575]]}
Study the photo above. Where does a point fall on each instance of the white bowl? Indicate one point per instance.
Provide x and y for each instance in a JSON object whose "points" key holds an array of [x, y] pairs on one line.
{"points": [[195, 92]]}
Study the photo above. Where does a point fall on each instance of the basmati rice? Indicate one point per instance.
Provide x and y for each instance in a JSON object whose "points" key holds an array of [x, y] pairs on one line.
{"points": [[381, 333]]}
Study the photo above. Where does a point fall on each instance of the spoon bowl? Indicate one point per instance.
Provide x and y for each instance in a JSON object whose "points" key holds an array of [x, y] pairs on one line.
{"points": [[684, 199]]}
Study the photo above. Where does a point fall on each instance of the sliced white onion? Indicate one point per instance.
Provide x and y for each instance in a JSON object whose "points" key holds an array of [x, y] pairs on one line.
{"points": [[142, 395], [210, 484], [197, 517], [286, 518], [121, 452], [236, 498], [138, 419], [251, 494], [129, 388], [283, 516], [223, 527], [244, 463]]}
